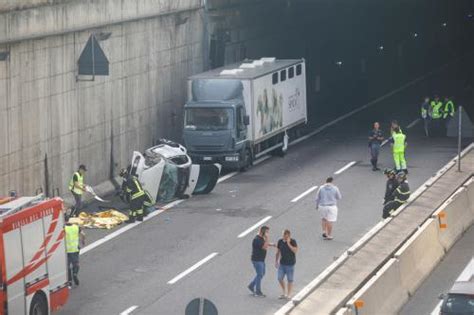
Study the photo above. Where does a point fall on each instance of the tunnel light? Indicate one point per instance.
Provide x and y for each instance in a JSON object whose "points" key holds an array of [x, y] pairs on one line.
{"points": [[469, 16], [339, 63], [444, 24], [415, 35], [381, 48]]}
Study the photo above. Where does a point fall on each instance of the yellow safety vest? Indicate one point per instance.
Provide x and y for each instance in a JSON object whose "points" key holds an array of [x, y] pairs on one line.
{"points": [[448, 109], [437, 109], [80, 180], [398, 142], [72, 238]]}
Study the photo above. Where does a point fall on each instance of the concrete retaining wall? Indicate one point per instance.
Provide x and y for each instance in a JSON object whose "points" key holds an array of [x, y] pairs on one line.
{"points": [[388, 290]]}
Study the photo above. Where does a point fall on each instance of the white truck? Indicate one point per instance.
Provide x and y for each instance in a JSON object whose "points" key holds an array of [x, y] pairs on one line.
{"points": [[32, 256], [240, 112]]}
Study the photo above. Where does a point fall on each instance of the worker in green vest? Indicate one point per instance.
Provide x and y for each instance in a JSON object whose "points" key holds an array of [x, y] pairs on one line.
{"points": [[74, 238], [77, 188], [448, 110], [136, 195], [436, 108], [399, 143]]}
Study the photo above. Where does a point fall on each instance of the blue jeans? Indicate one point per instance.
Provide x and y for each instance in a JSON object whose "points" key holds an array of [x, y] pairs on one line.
{"points": [[288, 270], [256, 282]]}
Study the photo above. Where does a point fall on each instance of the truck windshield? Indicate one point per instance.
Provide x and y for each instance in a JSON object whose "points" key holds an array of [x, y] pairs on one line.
{"points": [[208, 118]]}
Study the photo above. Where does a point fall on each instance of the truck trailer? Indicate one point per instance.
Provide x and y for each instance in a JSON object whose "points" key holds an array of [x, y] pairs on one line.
{"points": [[240, 112]]}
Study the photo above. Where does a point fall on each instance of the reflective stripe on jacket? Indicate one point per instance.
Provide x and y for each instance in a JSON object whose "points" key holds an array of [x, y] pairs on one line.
{"points": [[437, 109], [448, 109], [135, 190], [402, 193]]}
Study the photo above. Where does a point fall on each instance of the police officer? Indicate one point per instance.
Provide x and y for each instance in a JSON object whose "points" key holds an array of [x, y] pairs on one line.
{"points": [[375, 141], [426, 115], [74, 237], [391, 184], [135, 194], [77, 188], [399, 143], [400, 195]]}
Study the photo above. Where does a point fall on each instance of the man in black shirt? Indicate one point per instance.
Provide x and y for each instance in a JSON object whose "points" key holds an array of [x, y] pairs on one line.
{"points": [[285, 261], [260, 245], [375, 141]]}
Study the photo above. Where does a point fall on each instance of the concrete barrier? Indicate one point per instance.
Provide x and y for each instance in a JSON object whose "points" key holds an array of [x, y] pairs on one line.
{"points": [[470, 194], [458, 217], [419, 255], [382, 294], [345, 311]]}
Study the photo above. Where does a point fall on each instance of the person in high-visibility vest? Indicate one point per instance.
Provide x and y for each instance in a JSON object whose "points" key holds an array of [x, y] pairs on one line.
{"points": [[399, 143], [426, 113], [448, 110], [74, 238], [436, 108], [77, 188], [137, 196], [399, 196]]}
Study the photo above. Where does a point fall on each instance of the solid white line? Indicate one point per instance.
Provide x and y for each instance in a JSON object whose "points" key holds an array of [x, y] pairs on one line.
{"points": [[129, 310], [384, 142], [226, 177], [345, 167], [304, 194], [192, 268], [253, 227], [413, 123]]}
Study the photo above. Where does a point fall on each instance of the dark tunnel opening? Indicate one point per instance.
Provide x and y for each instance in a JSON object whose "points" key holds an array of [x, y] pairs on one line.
{"points": [[355, 51]]}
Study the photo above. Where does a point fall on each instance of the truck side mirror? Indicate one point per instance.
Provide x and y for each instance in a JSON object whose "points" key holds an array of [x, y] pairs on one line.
{"points": [[246, 120]]}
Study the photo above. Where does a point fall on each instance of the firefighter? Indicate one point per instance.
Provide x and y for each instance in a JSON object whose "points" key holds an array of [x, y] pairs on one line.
{"points": [[399, 144], [391, 185], [400, 195], [77, 188], [75, 238], [135, 194], [148, 204]]}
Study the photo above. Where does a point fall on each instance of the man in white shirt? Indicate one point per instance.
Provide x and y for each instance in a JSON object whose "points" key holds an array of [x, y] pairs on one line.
{"points": [[326, 202]]}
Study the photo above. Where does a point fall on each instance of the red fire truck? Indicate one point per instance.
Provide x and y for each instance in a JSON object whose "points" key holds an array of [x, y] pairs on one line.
{"points": [[33, 261]]}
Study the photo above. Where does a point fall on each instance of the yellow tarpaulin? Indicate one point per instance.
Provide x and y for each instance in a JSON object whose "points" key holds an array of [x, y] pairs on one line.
{"points": [[100, 220]]}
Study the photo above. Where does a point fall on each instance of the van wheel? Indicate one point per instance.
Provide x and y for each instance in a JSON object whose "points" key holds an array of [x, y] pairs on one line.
{"points": [[247, 163], [39, 305]]}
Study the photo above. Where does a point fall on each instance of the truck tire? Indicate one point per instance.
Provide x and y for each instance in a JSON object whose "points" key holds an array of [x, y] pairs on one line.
{"points": [[39, 305], [247, 160]]}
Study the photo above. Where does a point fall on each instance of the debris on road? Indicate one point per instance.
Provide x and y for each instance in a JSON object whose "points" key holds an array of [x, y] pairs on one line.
{"points": [[100, 220]]}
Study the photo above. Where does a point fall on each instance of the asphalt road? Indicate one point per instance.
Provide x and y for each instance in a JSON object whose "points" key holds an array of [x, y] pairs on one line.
{"points": [[135, 268], [443, 277]]}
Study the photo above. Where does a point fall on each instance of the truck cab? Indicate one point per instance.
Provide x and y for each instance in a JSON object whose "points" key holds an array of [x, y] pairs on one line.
{"points": [[216, 132]]}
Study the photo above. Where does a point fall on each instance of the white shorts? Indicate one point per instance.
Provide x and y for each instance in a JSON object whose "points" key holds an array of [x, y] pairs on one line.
{"points": [[328, 212]]}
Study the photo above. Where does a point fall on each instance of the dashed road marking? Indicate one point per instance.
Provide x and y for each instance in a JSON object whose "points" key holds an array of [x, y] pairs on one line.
{"points": [[192, 268], [347, 166], [129, 310], [413, 123], [253, 227], [304, 194]]}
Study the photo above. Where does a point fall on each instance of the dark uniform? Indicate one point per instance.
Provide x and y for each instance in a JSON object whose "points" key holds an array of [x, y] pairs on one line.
{"points": [[390, 187], [375, 142], [136, 195], [399, 196]]}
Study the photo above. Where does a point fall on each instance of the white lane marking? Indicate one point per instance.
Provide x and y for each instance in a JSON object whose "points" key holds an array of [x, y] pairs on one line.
{"points": [[129, 310], [253, 227], [304, 194], [348, 165], [226, 177], [413, 123], [384, 142], [192, 268], [466, 275]]}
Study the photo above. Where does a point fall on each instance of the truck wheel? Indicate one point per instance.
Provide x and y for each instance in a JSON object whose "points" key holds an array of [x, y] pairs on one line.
{"points": [[247, 161], [279, 152], [39, 305]]}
